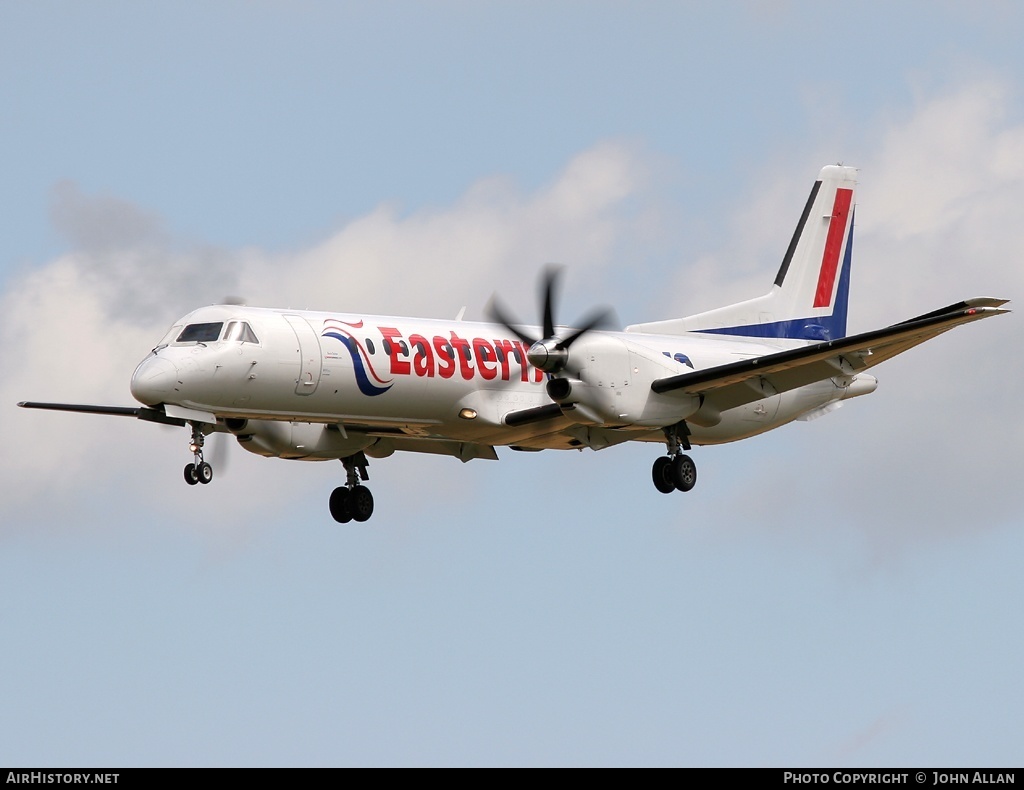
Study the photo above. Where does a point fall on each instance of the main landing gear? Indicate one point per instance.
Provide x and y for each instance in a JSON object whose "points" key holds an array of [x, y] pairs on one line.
{"points": [[675, 471], [352, 501], [200, 471]]}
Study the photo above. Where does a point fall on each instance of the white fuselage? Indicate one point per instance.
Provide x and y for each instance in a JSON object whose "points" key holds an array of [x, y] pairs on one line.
{"points": [[382, 376]]}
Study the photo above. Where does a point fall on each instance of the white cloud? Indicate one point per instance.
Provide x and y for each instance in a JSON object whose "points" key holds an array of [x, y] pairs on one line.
{"points": [[938, 209], [73, 329], [940, 224], [936, 223], [437, 260], [934, 452]]}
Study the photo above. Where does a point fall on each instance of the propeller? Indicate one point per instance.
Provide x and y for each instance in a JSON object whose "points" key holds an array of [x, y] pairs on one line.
{"points": [[220, 451], [550, 352]]}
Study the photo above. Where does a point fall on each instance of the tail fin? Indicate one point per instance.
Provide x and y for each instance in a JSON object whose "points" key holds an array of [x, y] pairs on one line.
{"points": [[809, 298]]}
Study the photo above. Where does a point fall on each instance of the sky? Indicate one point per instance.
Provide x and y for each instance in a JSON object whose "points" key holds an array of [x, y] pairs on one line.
{"points": [[842, 592]]}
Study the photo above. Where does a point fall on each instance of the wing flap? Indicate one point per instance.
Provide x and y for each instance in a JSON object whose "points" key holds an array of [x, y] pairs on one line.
{"points": [[536, 414], [464, 451], [736, 383]]}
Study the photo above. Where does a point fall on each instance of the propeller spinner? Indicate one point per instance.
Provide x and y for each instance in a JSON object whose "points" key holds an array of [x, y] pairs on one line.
{"points": [[550, 353]]}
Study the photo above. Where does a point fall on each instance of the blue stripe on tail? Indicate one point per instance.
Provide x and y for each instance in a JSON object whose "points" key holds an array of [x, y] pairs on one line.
{"points": [[822, 327]]}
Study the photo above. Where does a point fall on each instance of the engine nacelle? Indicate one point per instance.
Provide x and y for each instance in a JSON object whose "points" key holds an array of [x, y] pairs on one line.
{"points": [[614, 384], [308, 441]]}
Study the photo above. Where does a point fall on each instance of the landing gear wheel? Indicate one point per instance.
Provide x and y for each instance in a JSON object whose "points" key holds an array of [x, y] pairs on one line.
{"points": [[360, 500], [340, 508], [191, 475], [683, 472], [662, 475], [204, 472]]}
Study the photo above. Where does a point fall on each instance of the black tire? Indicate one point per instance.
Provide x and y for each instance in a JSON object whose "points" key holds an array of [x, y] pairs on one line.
{"points": [[204, 472], [684, 472], [361, 501], [340, 510], [191, 475], [661, 474]]}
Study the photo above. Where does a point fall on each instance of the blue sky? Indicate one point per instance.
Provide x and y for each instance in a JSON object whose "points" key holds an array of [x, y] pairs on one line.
{"points": [[840, 592]]}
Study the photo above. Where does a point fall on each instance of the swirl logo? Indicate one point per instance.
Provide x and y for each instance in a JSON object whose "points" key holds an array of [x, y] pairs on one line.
{"points": [[367, 380]]}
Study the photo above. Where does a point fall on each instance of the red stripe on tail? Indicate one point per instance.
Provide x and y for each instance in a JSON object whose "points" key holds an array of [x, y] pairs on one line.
{"points": [[833, 244]]}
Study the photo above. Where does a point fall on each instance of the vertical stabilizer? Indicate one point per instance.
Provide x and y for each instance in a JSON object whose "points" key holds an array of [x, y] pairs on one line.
{"points": [[809, 298]]}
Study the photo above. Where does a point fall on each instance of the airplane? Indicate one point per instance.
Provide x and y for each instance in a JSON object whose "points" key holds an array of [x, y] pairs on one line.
{"points": [[317, 386]]}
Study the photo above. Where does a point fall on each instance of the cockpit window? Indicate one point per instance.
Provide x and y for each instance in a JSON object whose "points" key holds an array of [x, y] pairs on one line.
{"points": [[201, 333], [168, 338], [241, 332]]}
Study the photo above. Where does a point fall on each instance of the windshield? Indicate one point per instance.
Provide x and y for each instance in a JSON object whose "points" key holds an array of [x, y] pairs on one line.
{"points": [[168, 338], [201, 333]]}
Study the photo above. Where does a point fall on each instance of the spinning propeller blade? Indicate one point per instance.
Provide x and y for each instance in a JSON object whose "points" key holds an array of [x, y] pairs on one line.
{"points": [[549, 353]]}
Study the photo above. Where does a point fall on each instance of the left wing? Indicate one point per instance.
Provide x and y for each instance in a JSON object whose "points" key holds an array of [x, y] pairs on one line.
{"points": [[728, 386], [140, 413]]}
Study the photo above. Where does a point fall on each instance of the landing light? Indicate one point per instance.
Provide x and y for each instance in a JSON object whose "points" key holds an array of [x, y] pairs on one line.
{"points": [[468, 414]]}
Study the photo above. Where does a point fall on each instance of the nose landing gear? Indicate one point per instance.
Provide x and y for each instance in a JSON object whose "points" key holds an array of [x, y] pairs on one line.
{"points": [[675, 471], [352, 501], [199, 471]]}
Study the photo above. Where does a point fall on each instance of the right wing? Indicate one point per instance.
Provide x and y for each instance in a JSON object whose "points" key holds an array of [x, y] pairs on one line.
{"points": [[728, 386]]}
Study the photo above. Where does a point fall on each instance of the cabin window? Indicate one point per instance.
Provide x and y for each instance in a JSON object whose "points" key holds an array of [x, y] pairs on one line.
{"points": [[404, 347], [387, 347], [201, 333], [369, 346]]}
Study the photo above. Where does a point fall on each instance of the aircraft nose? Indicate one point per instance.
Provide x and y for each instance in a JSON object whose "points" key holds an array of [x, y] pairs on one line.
{"points": [[153, 380]]}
